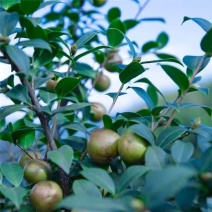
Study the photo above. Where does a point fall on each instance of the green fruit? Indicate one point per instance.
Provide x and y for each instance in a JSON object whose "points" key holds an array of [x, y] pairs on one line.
{"points": [[102, 145], [37, 170], [98, 3], [97, 111], [102, 82], [113, 58], [132, 148], [52, 83], [45, 195], [24, 158]]}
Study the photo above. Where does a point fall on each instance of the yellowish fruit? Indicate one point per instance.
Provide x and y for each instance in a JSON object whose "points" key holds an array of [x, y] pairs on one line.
{"points": [[102, 145], [51, 84], [24, 158], [37, 170], [132, 147], [97, 111], [102, 82], [45, 195]]}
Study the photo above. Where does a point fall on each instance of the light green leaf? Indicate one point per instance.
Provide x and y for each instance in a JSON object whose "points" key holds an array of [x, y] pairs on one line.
{"points": [[47, 97], [85, 38]]}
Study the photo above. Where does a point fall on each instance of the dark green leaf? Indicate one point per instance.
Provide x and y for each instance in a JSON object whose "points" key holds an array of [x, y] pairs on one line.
{"points": [[99, 177], [19, 58], [155, 158], [13, 173], [30, 6], [85, 187], [107, 121], [7, 4], [166, 56], [50, 2], [8, 21], [131, 71], [149, 45], [206, 43], [182, 151], [143, 94], [85, 38], [130, 23], [113, 95], [36, 32], [113, 13], [177, 76], [162, 40], [174, 60], [63, 157], [152, 92], [66, 85], [169, 135], [27, 139]]}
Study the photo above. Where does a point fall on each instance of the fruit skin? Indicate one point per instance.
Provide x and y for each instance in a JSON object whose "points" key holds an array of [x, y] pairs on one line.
{"points": [[45, 195], [132, 147], [102, 145], [97, 112], [98, 3], [113, 58], [24, 158], [102, 82], [37, 170], [51, 84]]}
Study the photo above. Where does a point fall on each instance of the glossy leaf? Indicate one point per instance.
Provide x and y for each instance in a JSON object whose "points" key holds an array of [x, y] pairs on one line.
{"points": [[155, 158], [131, 71], [152, 94], [8, 22], [149, 45], [27, 139], [113, 13], [169, 135], [85, 38], [162, 40], [131, 174], [177, 76], [19, 58], [30, 6], [143, 131], [13, 173], [203, 23], [63, 157], [144, 95], [206, 43], [84, 187], [66, 85], [100, 178], [182, 151], [130, 23], [7, 4]]}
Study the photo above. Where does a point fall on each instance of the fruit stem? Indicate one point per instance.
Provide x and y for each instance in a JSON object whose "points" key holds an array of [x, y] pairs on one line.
{"points": [[20, 147]]}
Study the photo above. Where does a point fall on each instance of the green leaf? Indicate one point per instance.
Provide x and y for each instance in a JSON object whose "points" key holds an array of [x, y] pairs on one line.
{"points": [[155, 158], [169, 135], [13, 173], [26, 140], [149, 45], [113, 95], [115, 37], [131, 71], [192, 62], [154, 190], [205, 161], [1, 178], [30, 6], [85, 38], [169, 59], [36, 32], [152, 92], [100, 178], [7, 110], [91, 203], [143, 131], [8, 22], [177, 76], [84, 187], [182, 151], [130, 23], [37, 43], [19, 92], [203, 23], [66, 85], [63, 157], [144, 95], [73, 107], [16, 195], [108, 122], [162, 40], [76, 126], [206, 43], [7, 4], [113, 13], [47, 97], [131, 174], [19, 58]]}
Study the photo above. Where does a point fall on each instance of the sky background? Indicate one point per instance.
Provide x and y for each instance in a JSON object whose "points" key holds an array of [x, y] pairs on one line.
{"points": [[183, 40]]}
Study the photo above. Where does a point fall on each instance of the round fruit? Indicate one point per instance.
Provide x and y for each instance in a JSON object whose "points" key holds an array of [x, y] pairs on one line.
{"points": [[97, 111], [51, 84], [132, 147], [113, 58], [45, 195], [102, 145], [102, 82], [98, 3], [24, 158], [37, 170]]}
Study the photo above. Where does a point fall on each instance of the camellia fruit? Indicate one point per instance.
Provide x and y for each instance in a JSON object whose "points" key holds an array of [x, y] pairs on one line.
{"points": [[132, 147], [102, 82], [97, 111], [51, 84], [24, 158], [102, 145], [98, 3], [113, 58], [45, 195], [37, 170]]}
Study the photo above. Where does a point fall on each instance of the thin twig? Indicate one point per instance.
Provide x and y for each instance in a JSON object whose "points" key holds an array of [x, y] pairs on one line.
{"points": [[141, 8]]}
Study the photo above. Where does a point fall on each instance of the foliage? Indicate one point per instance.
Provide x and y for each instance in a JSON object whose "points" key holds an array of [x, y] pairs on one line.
{"points": [[176, 174]]}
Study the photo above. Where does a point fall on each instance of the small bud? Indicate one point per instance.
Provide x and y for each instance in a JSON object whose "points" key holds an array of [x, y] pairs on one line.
{"points": [[73, 49], [196, 123], [137, 59]]}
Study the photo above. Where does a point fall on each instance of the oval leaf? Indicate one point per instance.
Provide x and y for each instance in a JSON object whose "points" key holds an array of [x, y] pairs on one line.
{"points": [[206, 43], [85, 38]]}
